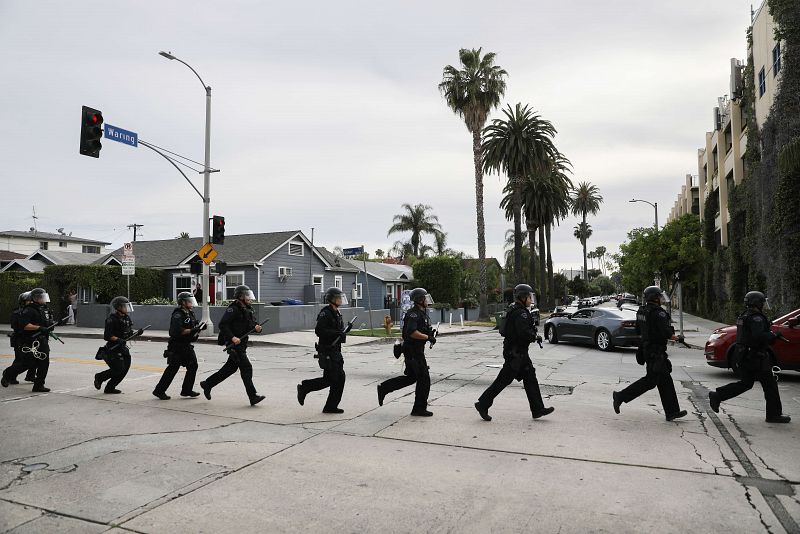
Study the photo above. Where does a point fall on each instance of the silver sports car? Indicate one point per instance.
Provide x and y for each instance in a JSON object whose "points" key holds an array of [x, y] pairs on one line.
{"points": [[605, 328]]}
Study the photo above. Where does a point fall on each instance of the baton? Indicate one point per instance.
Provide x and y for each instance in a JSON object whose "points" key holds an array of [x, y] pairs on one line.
{"points": [[350, 324], [122, 341], [229, 346]]}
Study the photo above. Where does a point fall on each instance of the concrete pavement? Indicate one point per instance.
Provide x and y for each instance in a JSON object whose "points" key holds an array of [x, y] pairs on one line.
{"points": [[78, 460]]}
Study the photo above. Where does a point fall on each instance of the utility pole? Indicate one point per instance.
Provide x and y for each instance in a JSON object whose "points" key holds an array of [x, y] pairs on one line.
{"points": [[135, 228]]}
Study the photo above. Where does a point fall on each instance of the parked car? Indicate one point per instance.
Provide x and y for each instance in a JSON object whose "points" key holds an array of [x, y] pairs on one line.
{"points": [[604, 328], [720, 343]]}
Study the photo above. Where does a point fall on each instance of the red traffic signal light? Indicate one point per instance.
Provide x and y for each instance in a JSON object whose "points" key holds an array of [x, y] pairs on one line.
{"points": [[91, 132], [218, 230]]}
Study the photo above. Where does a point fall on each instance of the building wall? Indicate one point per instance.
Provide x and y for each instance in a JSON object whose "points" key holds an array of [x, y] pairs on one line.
{"points": [[763, 44], [29, 245], [272, 289]]}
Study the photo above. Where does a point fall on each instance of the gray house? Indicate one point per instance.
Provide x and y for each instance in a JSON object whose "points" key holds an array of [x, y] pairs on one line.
{"points": [[37, 261], [383, 283], [277, 266]]}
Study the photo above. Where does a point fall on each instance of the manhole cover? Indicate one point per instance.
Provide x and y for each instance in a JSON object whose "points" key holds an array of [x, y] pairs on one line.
{"points": [[33, 467]]}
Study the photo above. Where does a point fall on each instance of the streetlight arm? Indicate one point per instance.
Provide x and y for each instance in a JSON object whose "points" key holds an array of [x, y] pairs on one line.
{"points": [[169, 55]]}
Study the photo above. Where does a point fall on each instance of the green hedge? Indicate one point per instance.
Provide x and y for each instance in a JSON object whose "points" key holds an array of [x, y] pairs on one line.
{"points": [[12, 283], [106, 281], [441, 276]]}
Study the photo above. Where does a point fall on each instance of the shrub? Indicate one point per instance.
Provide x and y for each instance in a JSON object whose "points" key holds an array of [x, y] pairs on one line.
{"points": [[441, 276]]}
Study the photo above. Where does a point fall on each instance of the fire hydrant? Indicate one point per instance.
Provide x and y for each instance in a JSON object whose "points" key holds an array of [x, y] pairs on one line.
{"points": [[387, 324]]}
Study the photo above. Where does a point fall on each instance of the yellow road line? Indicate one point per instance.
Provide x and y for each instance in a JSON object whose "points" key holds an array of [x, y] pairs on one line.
{"points": [[62, 359]]}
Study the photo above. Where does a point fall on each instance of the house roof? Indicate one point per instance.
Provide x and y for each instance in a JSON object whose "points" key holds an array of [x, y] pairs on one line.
{"points": [[337, 263], [31, 266], [384, 271], [7, 255], [238, 249], [49, 236], [55, 257]]}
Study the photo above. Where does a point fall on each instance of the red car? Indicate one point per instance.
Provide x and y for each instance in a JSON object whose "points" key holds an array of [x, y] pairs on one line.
{"points": [[719, 344]]}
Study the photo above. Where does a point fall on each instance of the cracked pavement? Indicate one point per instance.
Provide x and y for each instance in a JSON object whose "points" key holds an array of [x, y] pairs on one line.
{"points": [[133, 463]]}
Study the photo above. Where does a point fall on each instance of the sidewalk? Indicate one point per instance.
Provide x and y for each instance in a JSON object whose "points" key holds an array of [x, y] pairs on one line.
{"points": [[695, 329], [300, 338]]}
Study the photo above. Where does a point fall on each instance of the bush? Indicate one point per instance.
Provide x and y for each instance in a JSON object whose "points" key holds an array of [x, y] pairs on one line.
{"points": [[441, 306], [13, 283], [160, 301], [441, 276]]}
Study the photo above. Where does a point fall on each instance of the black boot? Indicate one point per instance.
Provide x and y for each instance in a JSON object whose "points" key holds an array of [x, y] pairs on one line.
{"points": [[543, 412], [381, 396], [778, 419], [483, 412], [161, 395], [421, 413], [191, 394], [39, 388], [206, 390], [676, 415], [332, 410], [713, 400], [255, 400], [301, 394], [617, 401]]}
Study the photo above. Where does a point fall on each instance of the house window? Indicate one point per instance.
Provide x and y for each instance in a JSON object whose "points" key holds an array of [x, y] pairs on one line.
{"points": [[337, 281], [389, 290], [86, 295], [43, 245], [776, 60], [359, 294], [91, 249], [295, 249], [762, 83], [317, 280], [231, 281], [181, 283], [62, 244]]}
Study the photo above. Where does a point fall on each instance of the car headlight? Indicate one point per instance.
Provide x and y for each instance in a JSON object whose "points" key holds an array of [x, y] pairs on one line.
{"points": [[714, 337]]}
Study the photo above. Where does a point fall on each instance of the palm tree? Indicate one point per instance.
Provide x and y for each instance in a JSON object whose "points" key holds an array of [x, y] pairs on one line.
{"points": [[509, 252], [583, 231], [591, 255], [585, 200], [418, 221], [472, 92], [183, 235], [401, 250], [519, 145], [600, 253], [440, 246]]}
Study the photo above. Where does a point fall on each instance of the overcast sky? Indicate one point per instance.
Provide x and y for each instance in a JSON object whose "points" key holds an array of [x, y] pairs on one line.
{"points": [[327, 114]]}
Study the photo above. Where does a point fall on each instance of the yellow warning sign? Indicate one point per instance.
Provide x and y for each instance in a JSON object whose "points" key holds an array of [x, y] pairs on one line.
{"points": [[207, 253]]}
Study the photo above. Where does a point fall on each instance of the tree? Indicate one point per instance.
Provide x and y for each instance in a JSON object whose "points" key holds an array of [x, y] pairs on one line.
{"points": [[583, 231], [183, 235], [418, 220], [401, 250], [578, 287], [509, 254], [338, 252], [600, 254], [586, 200], [440, 246], [472, 91], [380, 253], [591, 255], [519, 145], [441, 277]]}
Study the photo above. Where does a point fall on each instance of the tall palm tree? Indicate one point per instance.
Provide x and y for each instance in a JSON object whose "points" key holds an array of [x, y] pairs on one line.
{"points": [[586, 200], [509, 252], [418, 220], [583, 231], [591, 255], [600, 253], [472, 91], [558, 191], [519, 145], [440, 246]]}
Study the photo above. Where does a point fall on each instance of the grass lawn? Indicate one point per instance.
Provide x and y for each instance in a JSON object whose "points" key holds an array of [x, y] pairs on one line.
{"points": [[376, 332]]}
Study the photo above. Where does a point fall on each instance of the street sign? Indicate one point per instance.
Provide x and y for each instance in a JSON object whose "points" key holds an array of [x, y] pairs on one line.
{"points": [[207, 253], [121, 136], [127, 250], [129, 266], [355, 251]]}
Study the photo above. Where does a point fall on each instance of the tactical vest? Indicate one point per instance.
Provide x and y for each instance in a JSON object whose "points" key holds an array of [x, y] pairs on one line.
{"points": [[744, 329]]}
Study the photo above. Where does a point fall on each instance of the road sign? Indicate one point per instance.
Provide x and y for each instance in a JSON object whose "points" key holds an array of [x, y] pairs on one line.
{"points": [[355, 251], [207, 253], [129, 266], [127, 250], [121, 136]]}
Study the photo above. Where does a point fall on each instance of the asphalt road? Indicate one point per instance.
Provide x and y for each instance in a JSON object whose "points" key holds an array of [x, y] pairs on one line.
{"points": [[77, 460]]}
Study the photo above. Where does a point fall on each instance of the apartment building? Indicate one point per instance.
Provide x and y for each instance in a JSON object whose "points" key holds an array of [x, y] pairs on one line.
{"points": [[720, 163]]}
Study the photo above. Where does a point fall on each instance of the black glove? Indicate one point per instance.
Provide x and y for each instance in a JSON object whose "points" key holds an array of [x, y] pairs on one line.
{"points": [[681, 340], [433, 341], [539, 339], [44, 329], [139, 332]]}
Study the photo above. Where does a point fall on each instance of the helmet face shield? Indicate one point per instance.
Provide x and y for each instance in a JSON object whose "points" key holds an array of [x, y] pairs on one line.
{"points": [[248, 295], [190, 302], [664, 298], [428, 300], [128, 307], [766, 304], [41, 298]]}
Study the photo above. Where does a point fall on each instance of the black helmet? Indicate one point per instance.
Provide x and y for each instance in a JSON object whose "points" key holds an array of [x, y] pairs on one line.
{"points": [[243, 292], [654, 294], [419, 295], [24, 297], [522, 291], [186, 298], [121, 303], [39, 296], [755, 299], [334, 292]]}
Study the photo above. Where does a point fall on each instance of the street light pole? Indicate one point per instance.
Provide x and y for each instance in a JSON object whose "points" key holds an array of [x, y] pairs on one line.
{"points": [[655, 207], [206, 287]]}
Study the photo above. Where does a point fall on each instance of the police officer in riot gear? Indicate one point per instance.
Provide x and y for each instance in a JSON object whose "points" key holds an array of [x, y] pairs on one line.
{"points": [[753, 337], [21, 361], [416, 332], [183, 330], [519, 332], [118, 328], [654, 326], [238, 320], [34, 340], [332, 333]]}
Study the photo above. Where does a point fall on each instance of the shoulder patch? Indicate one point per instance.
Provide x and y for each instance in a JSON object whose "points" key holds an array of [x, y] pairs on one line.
{"points": [[177, 315], [525, 315], [412, 314], [757, 318], [662, 314], [321, 314]]}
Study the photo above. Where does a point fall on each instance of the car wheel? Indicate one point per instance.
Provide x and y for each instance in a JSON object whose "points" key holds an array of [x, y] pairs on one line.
{"points": [[602, 340], [550, 334]]}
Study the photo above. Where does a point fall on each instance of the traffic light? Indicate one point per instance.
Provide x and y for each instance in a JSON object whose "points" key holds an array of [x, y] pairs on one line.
{"points": [[91, 132], [218, 230], [222, 267], [196, 267]]}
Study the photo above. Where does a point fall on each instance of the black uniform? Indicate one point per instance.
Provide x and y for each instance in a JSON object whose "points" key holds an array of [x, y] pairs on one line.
{"points": [[753, 336], [237, 321], [520, 332], [117, 355], [654, 326], [330, 330], [180, 351], [416, 366], [32, 347]]}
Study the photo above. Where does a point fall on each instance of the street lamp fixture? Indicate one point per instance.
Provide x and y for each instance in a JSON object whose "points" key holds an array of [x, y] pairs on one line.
{"points": [[655, 206], [206, 188]]}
